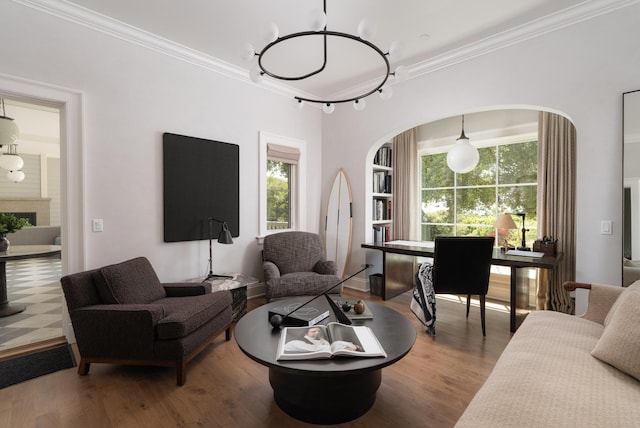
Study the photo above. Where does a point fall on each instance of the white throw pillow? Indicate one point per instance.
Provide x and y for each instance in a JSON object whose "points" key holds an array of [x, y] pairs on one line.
{"points": [[633, 288], [619, 344]]}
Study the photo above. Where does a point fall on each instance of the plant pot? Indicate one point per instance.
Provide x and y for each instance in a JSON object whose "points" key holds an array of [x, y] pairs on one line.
{"points": [[4, 244]]}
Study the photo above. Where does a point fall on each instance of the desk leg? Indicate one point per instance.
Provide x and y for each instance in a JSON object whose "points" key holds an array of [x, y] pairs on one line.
{"points": [[519, 295], [5, 308]]}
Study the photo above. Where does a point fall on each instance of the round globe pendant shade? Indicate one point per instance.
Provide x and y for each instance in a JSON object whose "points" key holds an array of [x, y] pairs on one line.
{"points": [[15, 176], [463, 156], [8, 131], [11, 162]]}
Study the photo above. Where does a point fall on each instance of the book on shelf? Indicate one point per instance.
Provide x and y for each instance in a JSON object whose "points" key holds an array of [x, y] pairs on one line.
{"points": [[383, 156], [328, 341]]}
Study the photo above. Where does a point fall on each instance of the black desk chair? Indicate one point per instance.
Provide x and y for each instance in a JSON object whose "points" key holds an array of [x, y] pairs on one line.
{"points": [[461, 265]]}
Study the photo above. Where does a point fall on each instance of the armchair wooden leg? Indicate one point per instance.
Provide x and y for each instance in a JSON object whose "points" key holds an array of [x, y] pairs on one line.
{"points": [[482, 305], [468, 304], [83, 367], [227, 334], [181, 372]]}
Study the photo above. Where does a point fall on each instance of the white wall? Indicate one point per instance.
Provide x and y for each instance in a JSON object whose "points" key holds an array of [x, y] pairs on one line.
{"points": [[580, 71], [131, 95]]}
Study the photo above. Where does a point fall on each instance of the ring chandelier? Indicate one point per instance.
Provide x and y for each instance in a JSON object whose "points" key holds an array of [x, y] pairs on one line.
{"points": [[318, 24]]}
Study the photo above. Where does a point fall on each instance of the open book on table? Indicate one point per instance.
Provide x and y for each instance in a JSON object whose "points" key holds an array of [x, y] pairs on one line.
{"points": [[327, 341]]}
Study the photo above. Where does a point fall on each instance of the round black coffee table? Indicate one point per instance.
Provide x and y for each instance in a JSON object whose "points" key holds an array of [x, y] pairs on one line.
{"points": [[325, 391]]}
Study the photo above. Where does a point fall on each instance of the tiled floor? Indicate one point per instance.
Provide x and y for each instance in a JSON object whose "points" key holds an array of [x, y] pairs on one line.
{"points": [[36, 284]]}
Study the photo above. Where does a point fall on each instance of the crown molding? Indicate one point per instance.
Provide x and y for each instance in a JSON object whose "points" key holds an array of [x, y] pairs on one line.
{"points": [[87, 18], [82, 16]]}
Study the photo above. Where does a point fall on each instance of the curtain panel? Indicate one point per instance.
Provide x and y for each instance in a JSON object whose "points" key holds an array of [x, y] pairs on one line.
{"points": [[556, 206], [404, 185]]}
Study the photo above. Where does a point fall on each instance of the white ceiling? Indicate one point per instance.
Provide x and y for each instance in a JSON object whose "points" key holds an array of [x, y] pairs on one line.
{"points": [[432, 32], [428, 29]]}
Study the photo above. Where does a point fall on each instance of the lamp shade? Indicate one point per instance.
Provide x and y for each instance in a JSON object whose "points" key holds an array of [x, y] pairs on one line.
{"points": [[9, 132], [225, 235], [463, 156], [505, 221]]}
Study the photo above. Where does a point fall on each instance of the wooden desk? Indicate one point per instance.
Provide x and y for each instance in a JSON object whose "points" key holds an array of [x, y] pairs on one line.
{"points": [[398, 269], [19, 252]]}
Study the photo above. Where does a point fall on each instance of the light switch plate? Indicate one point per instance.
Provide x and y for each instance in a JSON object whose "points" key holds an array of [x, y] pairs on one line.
{"points": [[97, 225], [606, 227]]}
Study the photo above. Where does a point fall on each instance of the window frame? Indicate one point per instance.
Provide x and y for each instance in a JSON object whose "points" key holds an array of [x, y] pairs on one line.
{"points": [[491, 142], [297, 179]]}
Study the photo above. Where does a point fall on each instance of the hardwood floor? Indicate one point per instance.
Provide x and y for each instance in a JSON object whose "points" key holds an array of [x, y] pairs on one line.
{"points": [[430, 387]]}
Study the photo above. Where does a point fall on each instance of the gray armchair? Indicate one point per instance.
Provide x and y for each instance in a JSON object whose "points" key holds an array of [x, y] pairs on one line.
{"points": [[294, 265], [122, 314]]}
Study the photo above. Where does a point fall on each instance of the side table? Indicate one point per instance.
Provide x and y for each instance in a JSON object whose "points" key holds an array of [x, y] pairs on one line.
{"points": [[237, 285]]}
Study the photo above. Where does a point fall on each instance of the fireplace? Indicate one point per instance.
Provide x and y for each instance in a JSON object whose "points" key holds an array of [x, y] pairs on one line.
{"points": [[31, 216]]}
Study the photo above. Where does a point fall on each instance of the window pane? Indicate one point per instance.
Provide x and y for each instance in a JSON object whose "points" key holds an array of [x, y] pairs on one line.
{"points": [[437, 206], [484, 173], [476, 206], [520, 199], [430, 231], [435, 172], [518, 163], [474, 230], [278, 195]]}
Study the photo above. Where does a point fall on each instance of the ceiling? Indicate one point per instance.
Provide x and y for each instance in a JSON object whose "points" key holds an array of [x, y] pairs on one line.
{"points": [[428, 30]]}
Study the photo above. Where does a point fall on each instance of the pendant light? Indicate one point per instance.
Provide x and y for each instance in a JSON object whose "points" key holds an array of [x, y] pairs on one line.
{"points": [[463, 156], [8, 129]]}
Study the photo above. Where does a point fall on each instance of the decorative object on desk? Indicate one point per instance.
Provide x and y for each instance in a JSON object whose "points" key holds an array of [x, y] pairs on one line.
{"points": [[546, 245], [328, 341], [9, 223], [523, 246], [463, 156], [504, 222], [366, 313], [278, 320], [224, 237], [318, 25], [358, 307]]}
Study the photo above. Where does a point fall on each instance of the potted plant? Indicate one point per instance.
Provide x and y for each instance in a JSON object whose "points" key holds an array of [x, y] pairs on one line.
{"points": [[9, 223]]}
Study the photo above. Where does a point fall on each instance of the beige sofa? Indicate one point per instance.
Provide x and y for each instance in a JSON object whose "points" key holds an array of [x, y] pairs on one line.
{"points": [[553, 371]]}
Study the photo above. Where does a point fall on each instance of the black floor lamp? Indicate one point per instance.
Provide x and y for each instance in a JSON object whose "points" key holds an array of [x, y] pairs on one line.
{"points": [[224, 237]]}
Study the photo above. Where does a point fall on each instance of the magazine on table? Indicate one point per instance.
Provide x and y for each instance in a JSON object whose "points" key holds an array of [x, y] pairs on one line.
{"points": [[327, 341]]}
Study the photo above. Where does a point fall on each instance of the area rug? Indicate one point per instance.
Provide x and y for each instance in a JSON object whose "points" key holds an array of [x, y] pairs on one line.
{"points": [[25, 367]]}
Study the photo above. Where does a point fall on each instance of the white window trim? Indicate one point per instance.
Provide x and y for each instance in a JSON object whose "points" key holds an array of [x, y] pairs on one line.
{"points": [[298, 184]]}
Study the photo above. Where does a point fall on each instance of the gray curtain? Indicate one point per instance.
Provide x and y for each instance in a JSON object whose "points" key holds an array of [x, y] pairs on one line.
{"points": [[556, 206], [404, 184]]}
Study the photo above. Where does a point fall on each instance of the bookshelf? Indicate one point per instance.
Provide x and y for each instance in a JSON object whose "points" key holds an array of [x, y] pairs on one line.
{"points": [[382, 194]]}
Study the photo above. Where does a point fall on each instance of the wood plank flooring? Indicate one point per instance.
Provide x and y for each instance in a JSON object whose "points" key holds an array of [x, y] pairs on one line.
{"points": [[430, 387]]}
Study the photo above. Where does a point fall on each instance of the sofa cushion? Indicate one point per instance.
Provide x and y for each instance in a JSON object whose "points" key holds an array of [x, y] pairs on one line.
{"points": [[131, 282], [183, 315], [633, 288], [619, 344]]}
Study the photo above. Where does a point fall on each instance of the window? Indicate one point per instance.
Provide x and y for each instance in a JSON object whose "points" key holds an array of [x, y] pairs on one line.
{"points": [[505, 181], [282, 166]]}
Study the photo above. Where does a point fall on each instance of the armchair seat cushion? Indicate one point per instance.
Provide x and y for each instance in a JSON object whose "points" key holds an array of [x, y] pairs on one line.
{"points": [[184, 315], [131, 282]]}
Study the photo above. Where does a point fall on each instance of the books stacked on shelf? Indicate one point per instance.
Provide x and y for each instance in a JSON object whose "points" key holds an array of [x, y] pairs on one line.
{"points": [[381, 209], [383, 156], [334, 339], [382, 233], [382, 182]]}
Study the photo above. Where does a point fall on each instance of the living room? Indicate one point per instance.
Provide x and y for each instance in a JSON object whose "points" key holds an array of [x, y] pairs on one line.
{"points": [[119, 92]]}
